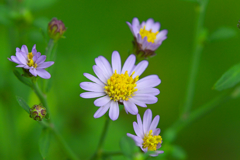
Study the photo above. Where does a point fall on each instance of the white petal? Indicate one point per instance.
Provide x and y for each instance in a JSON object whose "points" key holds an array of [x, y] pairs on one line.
{"points": [[89, 86], [45, 64], [145, 98], [147, 82], [154, 123], [104, 67], [92, 94], [149, 24], [94, 79], [129, 63], [140, 125], [43, 74], [130, 107], [152, 91], [24, 49], [137, 130], [114, 110], [102, 101], [161, 35], [40, 59], [101, 111], [137, 139], [155, 27], [21, 58], [33, 71], [156, 131], [147, 118], [100, 74], [137, 102], [116, 62], [140, 68]]}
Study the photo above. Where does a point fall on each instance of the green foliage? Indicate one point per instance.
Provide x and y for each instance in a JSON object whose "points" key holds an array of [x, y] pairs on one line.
{"points": [[222, 33], [23, 79], [23, 104], [44, 142], [229, 78], [127, 146], [4, 15]]}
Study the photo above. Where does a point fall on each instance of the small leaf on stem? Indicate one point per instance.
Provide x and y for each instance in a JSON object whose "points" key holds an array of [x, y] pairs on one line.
{"points": [[228, 79], [127, 146], [23, 104], [23, 79], [223, 33]]}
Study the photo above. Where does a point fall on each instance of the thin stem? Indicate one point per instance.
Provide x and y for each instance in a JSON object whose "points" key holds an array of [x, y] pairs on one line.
{"points": [[198, 113], [198, 47], [41, 96], [60, 139], [98, 152]]}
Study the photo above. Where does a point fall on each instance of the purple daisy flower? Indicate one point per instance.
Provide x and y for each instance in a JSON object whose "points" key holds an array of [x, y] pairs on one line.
{"points": [[147, 134], [120, 85], [33, 61], [147, 35]]}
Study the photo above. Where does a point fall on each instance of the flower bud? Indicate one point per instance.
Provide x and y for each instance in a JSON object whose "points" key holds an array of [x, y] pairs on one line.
{"points": [[56, 29], [37, 112], [238, 24]]}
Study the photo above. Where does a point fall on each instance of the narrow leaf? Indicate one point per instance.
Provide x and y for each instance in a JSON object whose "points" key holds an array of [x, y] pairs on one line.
{"points": [[44, 142], [24, 80], [222, 33], [127, 146], [23, 104], [229, 78]]}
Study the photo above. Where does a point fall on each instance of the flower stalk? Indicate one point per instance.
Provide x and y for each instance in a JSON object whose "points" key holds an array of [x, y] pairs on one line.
{"points": [[197, 50]]}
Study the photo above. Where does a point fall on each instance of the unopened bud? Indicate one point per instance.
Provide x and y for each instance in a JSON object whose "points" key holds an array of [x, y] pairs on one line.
{"points": [[238, 24], [56, 29], [37, 112]]}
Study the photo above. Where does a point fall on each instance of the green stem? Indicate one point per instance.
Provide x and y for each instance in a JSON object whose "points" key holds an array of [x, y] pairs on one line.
{"points": [[41, 96], [198, 47], [198, 113], [61, 140], [98, 152]]}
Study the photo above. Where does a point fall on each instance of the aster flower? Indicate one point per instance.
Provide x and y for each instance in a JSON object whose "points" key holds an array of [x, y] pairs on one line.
{"points": [[147, 134], [147, 37], [120, 85], [32, 61]]}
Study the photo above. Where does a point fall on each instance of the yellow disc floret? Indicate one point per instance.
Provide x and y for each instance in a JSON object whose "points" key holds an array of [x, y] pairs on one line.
{"points": [[150, 141], [30, 60], [151, 36], [121, 86]]}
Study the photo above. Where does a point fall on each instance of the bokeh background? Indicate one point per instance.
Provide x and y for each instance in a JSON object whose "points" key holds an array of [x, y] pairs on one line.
{"points": [[98, 28]]}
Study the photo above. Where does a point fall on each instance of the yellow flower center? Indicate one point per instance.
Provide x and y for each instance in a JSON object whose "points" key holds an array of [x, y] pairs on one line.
{"points": [[121, 86], [151, 36], [30, 60], [151, 142]]}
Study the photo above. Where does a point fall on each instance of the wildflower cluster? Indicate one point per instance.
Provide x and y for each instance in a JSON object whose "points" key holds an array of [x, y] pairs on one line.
{"points": [[120, 85]]}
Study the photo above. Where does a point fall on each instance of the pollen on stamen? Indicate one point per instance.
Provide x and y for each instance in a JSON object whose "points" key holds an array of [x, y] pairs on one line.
{"points": [[121, 86], [151, 36], [31, 63], [151, 141]]}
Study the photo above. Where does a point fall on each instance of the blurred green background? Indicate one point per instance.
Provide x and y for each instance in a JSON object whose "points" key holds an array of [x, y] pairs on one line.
{"points": [[98, 28]]}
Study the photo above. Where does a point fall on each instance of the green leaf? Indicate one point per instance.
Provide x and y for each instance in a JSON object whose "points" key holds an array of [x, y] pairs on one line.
{"points": [[23, 79], [222, 33], [178, 153], [127, 146], [44, 142], [228, 79], [23, 104]]}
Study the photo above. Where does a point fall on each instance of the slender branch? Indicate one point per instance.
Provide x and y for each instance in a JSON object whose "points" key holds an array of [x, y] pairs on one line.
{"points": [[198, 47], [98, 152], [198, 113], [60, 139]]}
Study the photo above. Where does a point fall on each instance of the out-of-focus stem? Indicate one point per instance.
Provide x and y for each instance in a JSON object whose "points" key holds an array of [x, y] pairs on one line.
{"points": [[60, 139], [197, 50], [98, 152]]}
